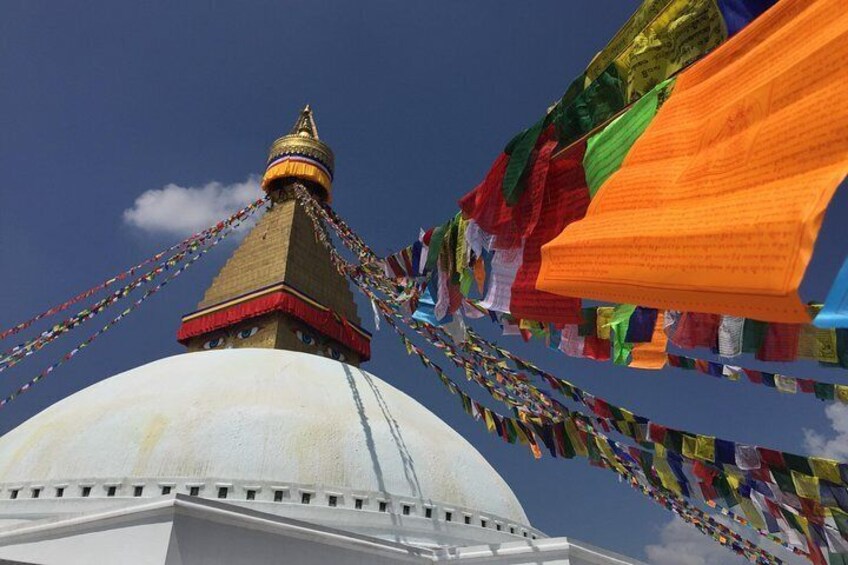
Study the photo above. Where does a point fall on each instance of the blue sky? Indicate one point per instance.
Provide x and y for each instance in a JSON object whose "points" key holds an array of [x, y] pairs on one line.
{"points": [[103, 102]]}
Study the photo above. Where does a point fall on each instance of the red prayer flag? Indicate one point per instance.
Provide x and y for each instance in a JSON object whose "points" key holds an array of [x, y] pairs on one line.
{"points": [[557, 195], [772, 458], [780, 342], [696, 330], [596, 348]]}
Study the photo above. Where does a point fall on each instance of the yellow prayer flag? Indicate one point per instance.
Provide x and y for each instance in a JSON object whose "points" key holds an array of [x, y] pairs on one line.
{"points": [[841, 393], [609, 456], [461, 244], [623, 39], [576, 440], [522, 437], [666, 476], [490, 420], [689, 446], [806, 486], [826, 469], [734, 481], [603, 320], [705, 448], [752, 514], [683, 32]]}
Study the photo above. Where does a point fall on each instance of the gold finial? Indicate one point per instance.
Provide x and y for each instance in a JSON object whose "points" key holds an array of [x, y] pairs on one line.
{"points": [[305, 124], [301, 155]]}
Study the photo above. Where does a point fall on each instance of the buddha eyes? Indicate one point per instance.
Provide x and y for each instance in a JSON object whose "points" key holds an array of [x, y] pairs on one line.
{"points": [[335, 354], [213, 343], [305, 337], [311, 340], [241, 334], [246, 333]]}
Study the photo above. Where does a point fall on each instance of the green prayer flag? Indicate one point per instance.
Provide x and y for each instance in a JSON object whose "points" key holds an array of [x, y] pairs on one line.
{"points": [[466, 279], [606, 150], [753, 334], [601, 100], [798, 463], [837, 559], [842, 346], [825, 391], [841, 520], [589, 325], [784, 481], [619, 323], [436, 246], [673, 441], [518, 161]]}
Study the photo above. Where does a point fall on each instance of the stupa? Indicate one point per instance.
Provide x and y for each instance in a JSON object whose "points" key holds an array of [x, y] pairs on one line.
{"points": [[265, 442]]}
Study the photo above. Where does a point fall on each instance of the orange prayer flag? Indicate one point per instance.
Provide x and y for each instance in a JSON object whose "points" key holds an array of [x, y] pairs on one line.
{"points": [[651, 355], [717, 206]]}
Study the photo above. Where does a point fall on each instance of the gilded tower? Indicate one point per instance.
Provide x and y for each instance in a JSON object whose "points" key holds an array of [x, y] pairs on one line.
{"points": [[279, 289]]}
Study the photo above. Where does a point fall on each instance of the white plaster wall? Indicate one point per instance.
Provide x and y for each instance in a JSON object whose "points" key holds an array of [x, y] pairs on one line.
{"points": [[191, 531], [135, 544]]}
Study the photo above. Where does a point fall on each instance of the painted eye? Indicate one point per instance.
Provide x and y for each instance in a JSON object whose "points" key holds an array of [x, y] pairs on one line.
{"points": [[305, 337], [335, 354], [213, 343], [250, 332]]}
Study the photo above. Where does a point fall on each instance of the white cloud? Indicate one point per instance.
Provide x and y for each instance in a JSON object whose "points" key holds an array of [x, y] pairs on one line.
{"points": [[181, 211], [835, 447], [682, 544]]}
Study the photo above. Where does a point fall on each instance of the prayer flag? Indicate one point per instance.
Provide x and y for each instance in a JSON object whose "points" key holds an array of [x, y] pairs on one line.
{"points": [[651, 355], [720, 157], [835, 311], [559, 195], [606, 149]]}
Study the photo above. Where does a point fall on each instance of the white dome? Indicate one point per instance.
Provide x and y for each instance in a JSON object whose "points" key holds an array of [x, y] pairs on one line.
{"points": [[255, 417]]}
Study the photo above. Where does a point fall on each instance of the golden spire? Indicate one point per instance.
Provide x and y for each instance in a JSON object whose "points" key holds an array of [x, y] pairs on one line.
{"points": [[302, 156], [280, 288]]}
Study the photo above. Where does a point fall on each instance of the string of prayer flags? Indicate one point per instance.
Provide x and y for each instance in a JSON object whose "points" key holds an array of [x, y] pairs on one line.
{"points": [[719, 453], [562, 441], [409, 262], [197, 237], [609, 413], [567, 441], [679, 444], [723, 151], [97, 288], [659, 40], [591, 340], [27, 348], [199, 252]]}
